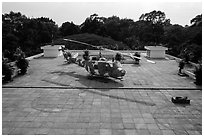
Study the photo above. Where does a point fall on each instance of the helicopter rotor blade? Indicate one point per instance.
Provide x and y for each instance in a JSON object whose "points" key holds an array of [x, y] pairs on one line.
{"points": [[81, 43], [99, 47], [153, 62]]}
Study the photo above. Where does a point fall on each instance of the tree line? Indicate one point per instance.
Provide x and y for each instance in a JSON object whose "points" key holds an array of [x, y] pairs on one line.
{"points": [[152, 28]]}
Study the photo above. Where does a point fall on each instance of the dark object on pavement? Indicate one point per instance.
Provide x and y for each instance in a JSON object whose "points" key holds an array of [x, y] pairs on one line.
{"points": [[180, 100]]}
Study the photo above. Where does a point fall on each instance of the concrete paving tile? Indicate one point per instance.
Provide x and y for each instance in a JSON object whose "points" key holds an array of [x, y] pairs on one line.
{"points": [[115, 114], [188, 127], [147, 115], [71, 120], [59, 119], [126, 115], [65, 125], [60, 132], [84, 119], [61, 125], [11, 118], [155, 132], [177, 126], [167, 132], [28, 118], [93, 131], [130, 132], [32, 124], [137, 115], [38, 119], [198, 127], [180, 132], [149, 121], [124, 110], [117, 126], [12, 124], [34, 114], [142, 132], [116, 120], [43, 114], [129, 125], [47, 124], [106, 119], [105, 131], [141, 126], [152, 126], [193, 132], [80, 131], [93, 125], [139, 121], [6, 131], [42, 131], [23, 131], [106, 114], [128, 120], [85, 114], [118, 132], [95, 119], [164, 126], [105, 125], [82, 125]]}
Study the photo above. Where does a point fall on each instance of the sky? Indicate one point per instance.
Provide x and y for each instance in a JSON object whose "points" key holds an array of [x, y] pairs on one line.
{"points": [[178, 12]]}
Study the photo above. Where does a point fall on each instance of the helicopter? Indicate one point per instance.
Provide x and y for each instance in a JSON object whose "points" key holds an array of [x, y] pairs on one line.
{"points": [[98, 66]]}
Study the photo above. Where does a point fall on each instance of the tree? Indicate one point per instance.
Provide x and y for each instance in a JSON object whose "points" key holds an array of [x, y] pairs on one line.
{"points": [[111, 25], [155, 17], [156, 20], [174, 36], [93, 24], [12, 24], [197, 21], [68, 28], [29, 34]]}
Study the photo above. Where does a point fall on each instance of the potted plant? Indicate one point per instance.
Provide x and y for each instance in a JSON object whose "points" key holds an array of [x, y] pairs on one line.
{"points": [[6, 71], [198, 74], [21, 62], [137, 55], [181, 66]]}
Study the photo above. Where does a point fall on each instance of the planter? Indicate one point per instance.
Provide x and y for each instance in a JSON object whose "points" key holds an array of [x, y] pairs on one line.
{"points": [[156, 51], [51, 51]]}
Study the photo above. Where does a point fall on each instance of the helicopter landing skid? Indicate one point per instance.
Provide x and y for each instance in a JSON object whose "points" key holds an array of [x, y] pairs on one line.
{"points": [[98, 76], [91, 76]]}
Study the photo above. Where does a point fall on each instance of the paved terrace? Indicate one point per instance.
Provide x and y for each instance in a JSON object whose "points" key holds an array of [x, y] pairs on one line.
{"points": [[57, 98]]}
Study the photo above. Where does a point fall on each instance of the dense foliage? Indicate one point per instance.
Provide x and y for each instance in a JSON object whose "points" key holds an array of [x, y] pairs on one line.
{"points": [[93, 39], [151, 29], [29, 34]]}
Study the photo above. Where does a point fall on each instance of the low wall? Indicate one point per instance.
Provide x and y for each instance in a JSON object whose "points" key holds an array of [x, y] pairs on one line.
{"points": [[96, 52], [185, 70], [16, 69]]}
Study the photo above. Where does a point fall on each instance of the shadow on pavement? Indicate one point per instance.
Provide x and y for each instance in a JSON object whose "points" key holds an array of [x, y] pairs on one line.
{"points": [[86, 80], [122, 98]]}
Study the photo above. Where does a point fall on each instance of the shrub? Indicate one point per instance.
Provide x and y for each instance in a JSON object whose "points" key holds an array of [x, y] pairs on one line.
{"points": [[6, 71], [21, 63], [198, 75]]}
